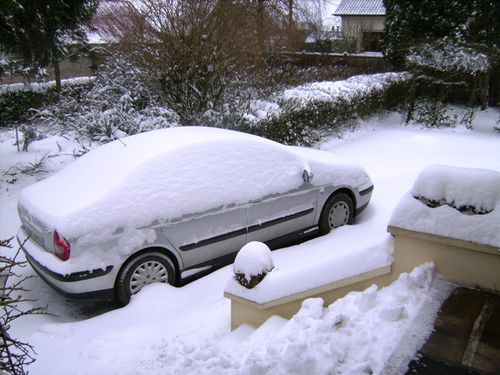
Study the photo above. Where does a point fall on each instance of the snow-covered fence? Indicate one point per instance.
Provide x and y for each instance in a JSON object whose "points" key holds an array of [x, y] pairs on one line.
{"points": [[451, 217]]}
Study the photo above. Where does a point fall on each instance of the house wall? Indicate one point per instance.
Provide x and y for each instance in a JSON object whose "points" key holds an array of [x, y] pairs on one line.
{"points": [[354, 27]]}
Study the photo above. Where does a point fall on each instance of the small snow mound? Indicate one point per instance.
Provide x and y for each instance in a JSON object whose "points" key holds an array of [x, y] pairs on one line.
{"points": [[423, 276], [312, 307], [393, 313], [50, 145], [254, 259]]}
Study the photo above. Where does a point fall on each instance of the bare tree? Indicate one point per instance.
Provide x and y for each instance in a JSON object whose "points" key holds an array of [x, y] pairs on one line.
{"points": [[15, 354], [191, 48]]}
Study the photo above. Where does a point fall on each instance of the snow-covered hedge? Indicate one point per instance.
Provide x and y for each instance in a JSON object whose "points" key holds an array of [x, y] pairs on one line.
{"points": [[461, 203], [44, 86], [15, 105], [309, 112], [18, 100]]}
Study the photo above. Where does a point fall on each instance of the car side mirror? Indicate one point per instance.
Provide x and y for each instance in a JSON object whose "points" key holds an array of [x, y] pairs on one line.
{"points": [[307, 176]]}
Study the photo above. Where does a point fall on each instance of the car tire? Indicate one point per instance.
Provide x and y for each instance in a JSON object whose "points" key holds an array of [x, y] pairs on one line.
{"points": [[142, 270], [338, 211]]}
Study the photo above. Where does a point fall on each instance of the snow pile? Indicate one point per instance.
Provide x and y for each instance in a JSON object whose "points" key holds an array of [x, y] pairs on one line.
{"points": [[357, 334], [348, 90], [253, 260], [462, 203]]}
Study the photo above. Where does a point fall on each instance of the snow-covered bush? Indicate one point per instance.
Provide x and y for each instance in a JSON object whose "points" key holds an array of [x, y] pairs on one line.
{"points": [[18, 101], [252, 264], [310, 112], [432, 113], [461, 203], [467, 190], [116, 103], [448, 71], [29, 135], [191, 50], [447, 56]]}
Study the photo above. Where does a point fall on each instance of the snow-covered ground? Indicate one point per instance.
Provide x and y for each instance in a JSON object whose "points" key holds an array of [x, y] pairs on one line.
{"points": [[169, 330]]}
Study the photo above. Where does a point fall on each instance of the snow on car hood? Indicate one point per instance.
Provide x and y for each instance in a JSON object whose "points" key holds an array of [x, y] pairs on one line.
{"points": [[162, 175]]}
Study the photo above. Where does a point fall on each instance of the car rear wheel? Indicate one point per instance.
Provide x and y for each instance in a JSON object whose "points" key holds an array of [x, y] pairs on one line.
{"points": [[145, 269], [338, 211]]}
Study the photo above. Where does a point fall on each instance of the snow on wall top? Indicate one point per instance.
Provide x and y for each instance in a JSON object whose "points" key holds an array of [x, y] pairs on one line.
{"points": [[360, 8], [460, 203]]}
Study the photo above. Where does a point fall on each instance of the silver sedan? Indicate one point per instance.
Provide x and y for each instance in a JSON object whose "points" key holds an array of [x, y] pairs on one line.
{"points": [[172, 204]]}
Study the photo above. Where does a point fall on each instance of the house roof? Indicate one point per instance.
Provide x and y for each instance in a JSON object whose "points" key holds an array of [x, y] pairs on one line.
{"points": [[360, 8]]}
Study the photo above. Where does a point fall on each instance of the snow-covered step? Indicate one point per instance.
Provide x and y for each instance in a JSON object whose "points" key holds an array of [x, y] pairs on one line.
{"points": [[266, 331], [237, 336]]}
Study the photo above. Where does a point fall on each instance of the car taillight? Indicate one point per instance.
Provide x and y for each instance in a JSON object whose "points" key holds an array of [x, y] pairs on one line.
{"points": [[62, 248]]}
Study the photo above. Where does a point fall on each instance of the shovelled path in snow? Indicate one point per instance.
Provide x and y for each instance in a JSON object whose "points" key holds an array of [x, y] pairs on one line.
{"points": [[466, 338]]}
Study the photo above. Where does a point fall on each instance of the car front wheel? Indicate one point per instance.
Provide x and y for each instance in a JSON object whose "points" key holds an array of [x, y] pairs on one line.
{"points": [[338, 211], [145, 269]]}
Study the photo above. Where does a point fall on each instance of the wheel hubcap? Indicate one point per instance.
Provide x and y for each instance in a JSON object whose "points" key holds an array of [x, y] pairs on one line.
{"points": [[339, 215], [147, 273]]}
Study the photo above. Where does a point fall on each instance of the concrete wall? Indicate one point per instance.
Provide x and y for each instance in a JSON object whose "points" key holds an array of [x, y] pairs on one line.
{"points": [[462, 262], [458, 261], [245, 311]]}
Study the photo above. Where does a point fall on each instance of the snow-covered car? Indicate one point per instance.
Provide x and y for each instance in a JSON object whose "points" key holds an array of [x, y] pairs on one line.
{"points": [[168, 204]]}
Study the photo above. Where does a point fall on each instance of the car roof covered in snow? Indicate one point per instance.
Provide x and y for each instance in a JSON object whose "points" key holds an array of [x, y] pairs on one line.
{"points": [[144, 171]]}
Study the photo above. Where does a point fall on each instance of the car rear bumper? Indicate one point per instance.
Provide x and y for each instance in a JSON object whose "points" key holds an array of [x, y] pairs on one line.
{"points": [[86, 284]]}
